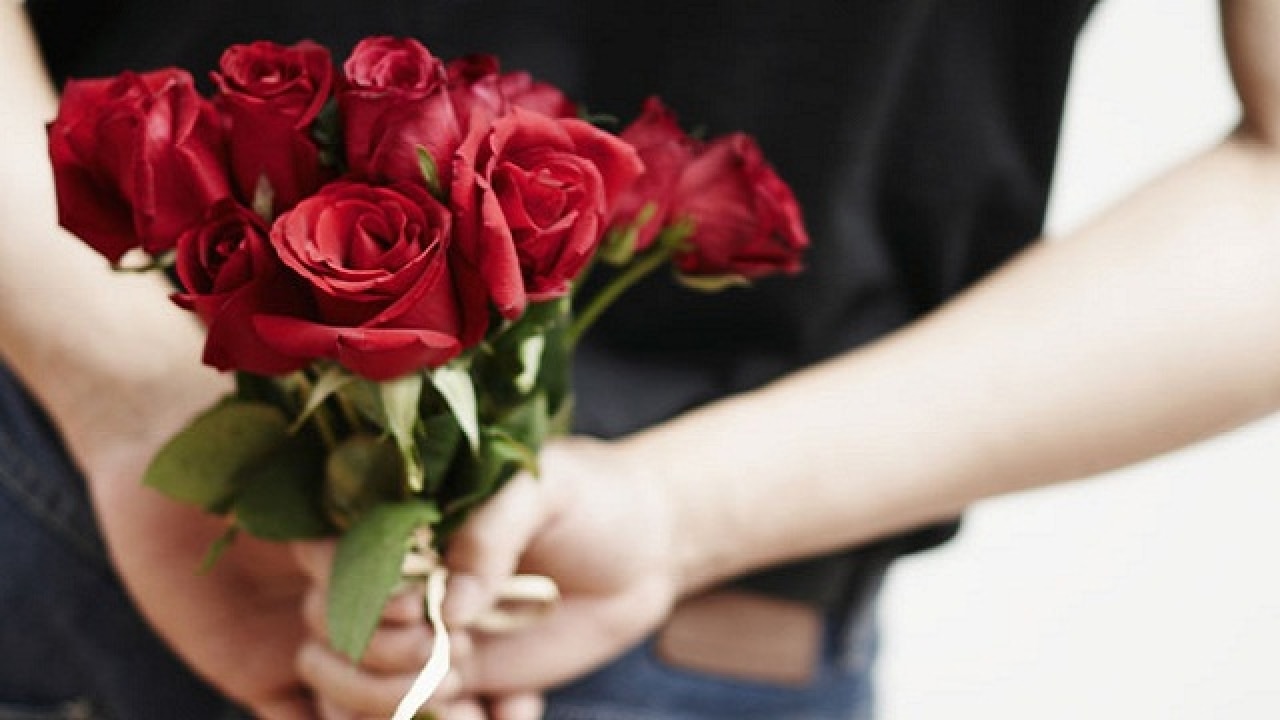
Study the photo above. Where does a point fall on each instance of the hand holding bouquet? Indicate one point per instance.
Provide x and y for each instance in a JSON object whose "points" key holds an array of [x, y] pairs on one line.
{"points": [[390, 259]]}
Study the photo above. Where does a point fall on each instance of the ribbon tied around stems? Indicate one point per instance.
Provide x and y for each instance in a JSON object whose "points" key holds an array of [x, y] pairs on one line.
{"points": [[523, 600]]}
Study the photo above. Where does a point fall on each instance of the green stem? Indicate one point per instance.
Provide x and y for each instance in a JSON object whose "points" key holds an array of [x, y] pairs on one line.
{"points": [[349, 412], [637, 271], [320, 418], [325, 426]]}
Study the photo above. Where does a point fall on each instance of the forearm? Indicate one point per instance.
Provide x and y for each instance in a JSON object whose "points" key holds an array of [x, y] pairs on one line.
{"points": [[85, 339], [1152, 327], [115, 364]]}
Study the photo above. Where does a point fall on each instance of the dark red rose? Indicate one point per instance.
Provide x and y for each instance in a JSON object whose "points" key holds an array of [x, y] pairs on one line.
{"points": [[396, 100], [270, 96], [230, 275], [375, 263], [523, 91], [666, 151], [477, 81], [137, 159], [474, 84], [532, 194], [746, 220]]}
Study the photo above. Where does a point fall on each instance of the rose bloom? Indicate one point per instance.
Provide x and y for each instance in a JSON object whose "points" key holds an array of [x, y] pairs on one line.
{"points": [[137, 159], [382, 298], [746, 220], [396, 99], [477, 81], [270, 95], [531, 194], [230, 275], [666, 151]]}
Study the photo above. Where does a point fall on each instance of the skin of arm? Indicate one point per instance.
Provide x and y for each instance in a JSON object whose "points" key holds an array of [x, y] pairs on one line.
{"points": [[1155, 325], [1152, 327], [117, 367]]}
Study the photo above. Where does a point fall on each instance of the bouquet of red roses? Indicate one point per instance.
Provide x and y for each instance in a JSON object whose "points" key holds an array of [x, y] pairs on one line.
{"points": [[389, 258]]}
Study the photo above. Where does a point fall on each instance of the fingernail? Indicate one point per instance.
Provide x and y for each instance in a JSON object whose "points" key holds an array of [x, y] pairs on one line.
{"points": [[464, 599]]}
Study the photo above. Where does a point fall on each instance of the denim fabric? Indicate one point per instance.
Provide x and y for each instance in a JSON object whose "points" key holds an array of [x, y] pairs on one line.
{"points": [[642, 686], [72, 646]]}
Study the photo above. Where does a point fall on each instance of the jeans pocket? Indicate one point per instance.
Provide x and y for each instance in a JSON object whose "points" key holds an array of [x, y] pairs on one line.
{"points": [[73, 710]]}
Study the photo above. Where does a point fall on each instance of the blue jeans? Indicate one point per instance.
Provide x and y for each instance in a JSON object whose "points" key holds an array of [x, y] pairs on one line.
{"points": [[73, 647]]}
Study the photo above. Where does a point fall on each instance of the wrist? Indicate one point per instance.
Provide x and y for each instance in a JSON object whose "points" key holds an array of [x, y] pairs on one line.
{"points": [[696, 505]]}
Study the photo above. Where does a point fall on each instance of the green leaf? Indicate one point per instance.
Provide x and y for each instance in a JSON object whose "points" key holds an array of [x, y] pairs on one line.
{"points": [[480, 477], [218, 548], [203, 464], [557, 357], [438, 437], [453, 382], [139, 261], [602, 120], [326, 131], [366, 569], [281, 495], [619, 246], [430, 171], [529, 423], [365, 395], [562, 418], [508, 452], [360, 474], [400, 399], [264, 198], [530, 362], [712, 283], [252, 387], [330, 382]]}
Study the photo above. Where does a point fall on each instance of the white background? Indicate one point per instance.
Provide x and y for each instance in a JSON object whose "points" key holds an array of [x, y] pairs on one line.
{"points": [[1153, 592]]}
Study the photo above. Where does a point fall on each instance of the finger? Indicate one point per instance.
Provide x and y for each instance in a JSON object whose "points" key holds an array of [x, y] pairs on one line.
{"points": [[357, 689], [406, 607], [398, 650], [345, 687], [521, 706], [329, 711], [465, 710], [293, 706], [402, 610], [315, 557], [394, 648], [579, 635], [486, 550]]}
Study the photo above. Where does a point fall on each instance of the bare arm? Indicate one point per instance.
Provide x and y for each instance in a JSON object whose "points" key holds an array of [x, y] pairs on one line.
{"points": [[1151, 327], [117, 367], [1155, 325]]}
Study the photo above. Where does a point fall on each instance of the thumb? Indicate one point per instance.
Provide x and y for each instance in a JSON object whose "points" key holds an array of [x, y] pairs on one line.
{"points": [[486, 550]]}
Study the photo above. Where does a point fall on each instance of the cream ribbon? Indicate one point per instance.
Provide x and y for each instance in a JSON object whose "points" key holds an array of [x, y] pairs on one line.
{"points": [[526, 599]]}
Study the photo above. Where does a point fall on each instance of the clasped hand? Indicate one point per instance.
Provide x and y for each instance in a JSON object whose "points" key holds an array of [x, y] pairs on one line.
{"points": [[591, 522]]}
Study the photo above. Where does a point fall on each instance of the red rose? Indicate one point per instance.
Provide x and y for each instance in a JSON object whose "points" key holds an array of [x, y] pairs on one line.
{"points": [[375, 262], [532, 194], [666, 151], [523, 91], [230, 275], [270, 95], [396, 100], [746, 220], [476, 81], [137, 159]]}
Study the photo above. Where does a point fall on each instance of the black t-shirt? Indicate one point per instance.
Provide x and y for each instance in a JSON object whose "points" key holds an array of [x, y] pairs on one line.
{"points": [[919, 136]]}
